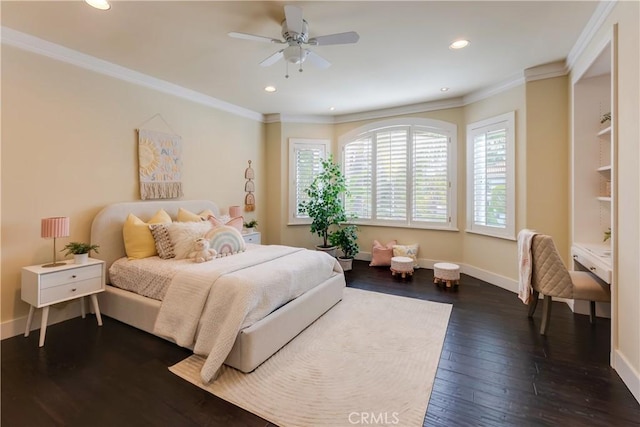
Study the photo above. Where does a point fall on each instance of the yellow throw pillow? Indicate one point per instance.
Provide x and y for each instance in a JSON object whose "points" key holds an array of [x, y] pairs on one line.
{"points": [[138, 240], [187, 216]]}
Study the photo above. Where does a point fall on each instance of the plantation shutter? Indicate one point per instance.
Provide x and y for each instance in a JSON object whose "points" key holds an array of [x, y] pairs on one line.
{"points": [[308, 163], [391, 174], [490, 178], [357, 163], [430, 177]]}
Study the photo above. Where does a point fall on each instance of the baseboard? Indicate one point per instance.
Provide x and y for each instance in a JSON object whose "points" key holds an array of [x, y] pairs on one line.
{"points": [[630, 376], [57, 313], [489, 277]]}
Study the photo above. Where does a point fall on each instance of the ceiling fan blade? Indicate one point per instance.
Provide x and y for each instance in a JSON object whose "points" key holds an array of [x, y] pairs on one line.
{"points": [[317, 60], [293, 16], [340, 38], [272, 59], [253, 37]]}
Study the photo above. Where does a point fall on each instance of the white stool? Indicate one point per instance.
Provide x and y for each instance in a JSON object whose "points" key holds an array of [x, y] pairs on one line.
{"points": [[447, 274], [402, 265]]}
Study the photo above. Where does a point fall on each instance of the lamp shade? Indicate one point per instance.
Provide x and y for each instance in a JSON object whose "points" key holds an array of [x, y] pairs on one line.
{"points": [[55, 227], [234, 211]]}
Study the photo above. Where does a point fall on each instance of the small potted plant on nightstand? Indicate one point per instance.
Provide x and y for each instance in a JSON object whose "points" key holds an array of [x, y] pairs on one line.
{"points": [[346, 238], [80, 251], [251, 226]]}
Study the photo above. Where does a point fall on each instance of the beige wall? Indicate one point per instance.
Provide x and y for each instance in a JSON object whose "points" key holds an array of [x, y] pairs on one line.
{"points": [[69, 148], [503, 259], [547, 160]]}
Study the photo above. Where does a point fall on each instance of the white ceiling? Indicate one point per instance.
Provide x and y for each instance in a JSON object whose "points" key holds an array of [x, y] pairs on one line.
{"points": [[402, 57]]}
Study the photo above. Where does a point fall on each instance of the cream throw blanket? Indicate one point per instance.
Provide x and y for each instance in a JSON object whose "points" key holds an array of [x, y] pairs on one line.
{"points": [[208, 305], [525, 237]]}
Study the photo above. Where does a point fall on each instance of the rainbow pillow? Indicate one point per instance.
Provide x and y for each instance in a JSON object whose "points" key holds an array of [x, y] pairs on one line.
{"points": [[225, 240]]}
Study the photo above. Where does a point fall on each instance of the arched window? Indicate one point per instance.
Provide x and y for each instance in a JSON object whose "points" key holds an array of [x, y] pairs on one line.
{"points": [[401, 172]]}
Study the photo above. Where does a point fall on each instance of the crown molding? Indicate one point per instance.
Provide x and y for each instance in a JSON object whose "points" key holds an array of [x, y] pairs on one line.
{"points": [[514, 81], [546, 71], [42, 47], [293, 118], [601, 13], [401, 111]]}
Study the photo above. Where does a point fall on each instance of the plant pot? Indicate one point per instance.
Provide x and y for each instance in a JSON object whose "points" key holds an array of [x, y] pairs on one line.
{"points": [[249, 230], [80, 258], [331, 250], [345, 263]]}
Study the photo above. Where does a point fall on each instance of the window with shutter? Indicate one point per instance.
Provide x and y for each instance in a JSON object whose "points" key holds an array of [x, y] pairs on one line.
{"points": [[305, 162], [399, 173], [491, 182]]}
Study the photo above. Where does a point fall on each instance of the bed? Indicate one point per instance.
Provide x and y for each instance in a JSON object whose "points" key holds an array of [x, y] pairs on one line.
{"points": [[254, 343]]}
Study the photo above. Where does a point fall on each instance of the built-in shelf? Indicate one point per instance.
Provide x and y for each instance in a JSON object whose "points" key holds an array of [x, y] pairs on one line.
{"points": [[606, 168], [604, 198], [605, 131]]}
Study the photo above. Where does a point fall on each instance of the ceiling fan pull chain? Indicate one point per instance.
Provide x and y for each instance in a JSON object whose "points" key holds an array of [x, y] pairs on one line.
{"points": [[286, 76], [301, 58]]}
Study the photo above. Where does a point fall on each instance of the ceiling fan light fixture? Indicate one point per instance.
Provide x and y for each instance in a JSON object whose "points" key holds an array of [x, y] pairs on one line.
{"points": [[294, 54], [99, 4], [459, 44]]}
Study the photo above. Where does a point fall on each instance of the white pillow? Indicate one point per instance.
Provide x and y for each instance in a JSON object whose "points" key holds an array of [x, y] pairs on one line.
{"points": [[184, 234]]}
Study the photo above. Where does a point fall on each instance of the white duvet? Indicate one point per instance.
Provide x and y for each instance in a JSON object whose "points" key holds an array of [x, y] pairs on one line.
{"points": [[207, 304]]}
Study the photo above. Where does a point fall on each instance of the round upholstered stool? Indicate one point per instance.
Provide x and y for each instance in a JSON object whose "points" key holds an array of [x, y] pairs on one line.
{"points": [[402, 265], [447, 274]]}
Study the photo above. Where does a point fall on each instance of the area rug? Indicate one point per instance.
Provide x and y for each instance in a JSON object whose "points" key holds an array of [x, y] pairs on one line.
{"points": [[370, 360]]}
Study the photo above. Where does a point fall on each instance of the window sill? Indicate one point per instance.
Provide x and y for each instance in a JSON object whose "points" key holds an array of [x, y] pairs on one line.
{"points": [[497, 236]]}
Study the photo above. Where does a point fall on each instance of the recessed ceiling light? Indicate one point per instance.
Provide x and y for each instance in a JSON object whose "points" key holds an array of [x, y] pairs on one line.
{"points": [[99, 4], [332, 108], [270, 89], [444, 89], [459, 44]]}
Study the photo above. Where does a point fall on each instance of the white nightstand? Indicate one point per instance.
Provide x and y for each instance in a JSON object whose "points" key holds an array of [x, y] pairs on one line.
{"points": [[43, 287], [253, 237]]}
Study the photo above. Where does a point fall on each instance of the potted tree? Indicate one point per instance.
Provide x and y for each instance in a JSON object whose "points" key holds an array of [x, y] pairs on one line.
{"points": [[324, 204], [346, 238], [80, 251]]}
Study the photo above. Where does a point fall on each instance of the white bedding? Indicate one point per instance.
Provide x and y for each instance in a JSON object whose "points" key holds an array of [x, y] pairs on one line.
{"points": [[207, 304], [150, 277]]}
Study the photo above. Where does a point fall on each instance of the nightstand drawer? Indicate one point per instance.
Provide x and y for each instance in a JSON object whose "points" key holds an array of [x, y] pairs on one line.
{"points": [[252, 238], [71, 276], [70, 290]]}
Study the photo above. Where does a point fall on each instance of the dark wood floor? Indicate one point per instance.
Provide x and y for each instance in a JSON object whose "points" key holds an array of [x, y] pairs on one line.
{"points": [[495, 369]]}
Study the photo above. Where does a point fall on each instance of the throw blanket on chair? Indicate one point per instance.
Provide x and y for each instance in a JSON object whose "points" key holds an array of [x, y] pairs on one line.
{"points": [[525, 237]]}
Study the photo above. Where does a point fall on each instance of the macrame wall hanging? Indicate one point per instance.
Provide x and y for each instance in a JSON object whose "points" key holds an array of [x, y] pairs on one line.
{"points": [[159, 163], [249, 188]]}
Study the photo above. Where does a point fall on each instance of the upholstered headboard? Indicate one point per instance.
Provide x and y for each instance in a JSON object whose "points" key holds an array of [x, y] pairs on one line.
{"points": [[106, 229]]}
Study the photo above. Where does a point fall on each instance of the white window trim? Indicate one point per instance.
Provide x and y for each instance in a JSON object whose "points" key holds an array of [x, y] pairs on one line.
{"points": [[507, 121], [451, 130], [295, 143]]}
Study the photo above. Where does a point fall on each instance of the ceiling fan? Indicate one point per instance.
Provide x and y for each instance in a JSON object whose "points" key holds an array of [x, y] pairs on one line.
{"points": [[295, 32]]}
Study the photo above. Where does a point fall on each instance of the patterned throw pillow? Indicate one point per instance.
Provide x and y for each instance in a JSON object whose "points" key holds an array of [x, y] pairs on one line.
{"points": [[410, 251], [225, 240], [160, 233], [381, 254]]}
